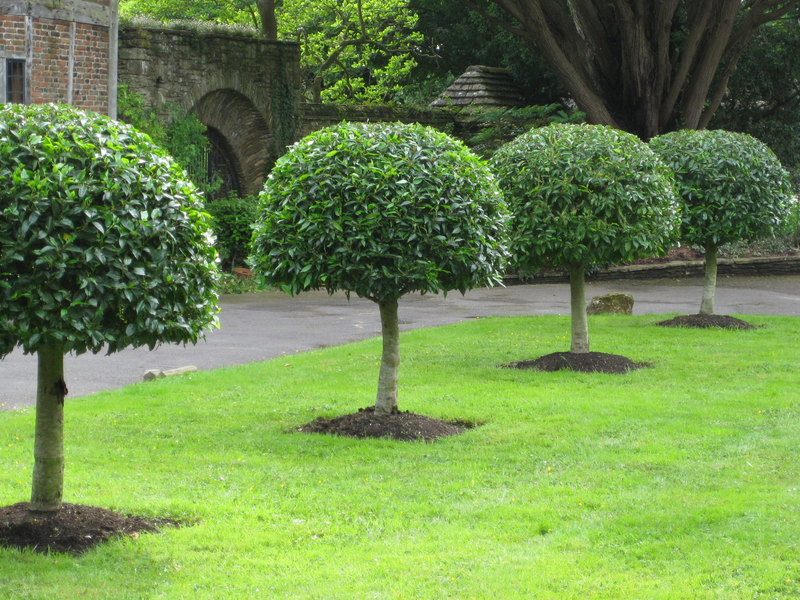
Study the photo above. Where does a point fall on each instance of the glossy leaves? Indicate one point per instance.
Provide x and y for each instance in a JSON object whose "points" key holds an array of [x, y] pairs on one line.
{"points": [[380, 210], [731, 184], [582, 194], [103, 240]]}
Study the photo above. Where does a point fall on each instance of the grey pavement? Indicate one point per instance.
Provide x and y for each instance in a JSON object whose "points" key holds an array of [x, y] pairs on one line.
{"points": [[256, 327]]}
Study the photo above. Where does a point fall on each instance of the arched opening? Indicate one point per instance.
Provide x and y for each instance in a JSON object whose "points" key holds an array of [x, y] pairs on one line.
{"points": [[221, 165], [239, 137]]}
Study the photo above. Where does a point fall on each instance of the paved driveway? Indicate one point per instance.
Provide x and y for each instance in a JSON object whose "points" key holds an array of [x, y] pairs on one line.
{"points": [[257, 327]]}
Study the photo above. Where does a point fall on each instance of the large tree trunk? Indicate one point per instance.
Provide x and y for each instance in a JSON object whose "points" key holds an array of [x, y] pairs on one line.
{"points": [[386, 400], [710, 283], [48, 450], [580, 324], [645, 67]]}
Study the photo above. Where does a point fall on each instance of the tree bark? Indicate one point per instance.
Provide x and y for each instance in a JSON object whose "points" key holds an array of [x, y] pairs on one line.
{"points": [[386, 400], [580, 324], [710, 283], [622, 62], [48, 450], [269, 24]]}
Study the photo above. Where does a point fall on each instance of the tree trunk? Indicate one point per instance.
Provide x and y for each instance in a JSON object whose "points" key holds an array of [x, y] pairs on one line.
{"points": [[269, 25], [580, 324], [48, 448], [645, 67], [710, 284], [390, 361]]}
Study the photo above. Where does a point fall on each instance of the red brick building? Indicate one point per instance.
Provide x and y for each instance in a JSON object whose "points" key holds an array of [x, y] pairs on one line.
{"points": [[62, 51]]}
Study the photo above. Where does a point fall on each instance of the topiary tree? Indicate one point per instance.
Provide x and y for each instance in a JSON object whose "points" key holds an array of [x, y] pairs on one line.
{"points": [[582, 194], [103, 244], [380, 210], [732, 187]]}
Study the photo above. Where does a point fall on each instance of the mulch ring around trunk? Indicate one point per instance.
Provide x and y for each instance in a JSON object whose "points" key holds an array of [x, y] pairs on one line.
{"points": [[402, 426], [585, 362], [707, 321], [74, 529]]}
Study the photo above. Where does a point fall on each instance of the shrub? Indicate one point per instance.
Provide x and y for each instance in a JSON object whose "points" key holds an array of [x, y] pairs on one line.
{"points": [[103, 244], [232, 221], [582, 194], [732, 188], [380, 210]]}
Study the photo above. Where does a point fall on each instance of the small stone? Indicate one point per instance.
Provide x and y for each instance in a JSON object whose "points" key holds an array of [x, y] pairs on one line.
{"points": [[615, 304], [153, 374], [158, 373]]}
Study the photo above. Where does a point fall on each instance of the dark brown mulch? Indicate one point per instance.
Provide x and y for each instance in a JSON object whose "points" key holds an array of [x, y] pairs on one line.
{"points": [[403, 426], [589, 362], [74, 529], [706, 321]]}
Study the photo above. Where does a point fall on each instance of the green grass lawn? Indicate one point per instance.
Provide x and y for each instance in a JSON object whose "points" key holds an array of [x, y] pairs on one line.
{"points": [[678, 481]]}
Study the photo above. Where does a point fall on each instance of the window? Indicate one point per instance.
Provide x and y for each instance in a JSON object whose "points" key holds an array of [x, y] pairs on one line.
{"points": [[15, 80]]}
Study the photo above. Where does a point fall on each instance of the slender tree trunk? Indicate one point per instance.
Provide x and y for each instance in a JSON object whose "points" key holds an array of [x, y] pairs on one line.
{"points": [[710, 284], [48, 448], [390, 361], [580, 324]]}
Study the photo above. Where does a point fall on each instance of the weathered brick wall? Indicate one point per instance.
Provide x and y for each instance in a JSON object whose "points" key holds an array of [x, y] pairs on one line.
{"points": [[69, 48], [50, 68], [13, 39], [91, 61]]}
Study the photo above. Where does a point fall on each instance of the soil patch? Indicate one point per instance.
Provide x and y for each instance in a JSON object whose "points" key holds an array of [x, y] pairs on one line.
{"points": [[403, 426], [699, 321], [589, 362], [74, 529]]}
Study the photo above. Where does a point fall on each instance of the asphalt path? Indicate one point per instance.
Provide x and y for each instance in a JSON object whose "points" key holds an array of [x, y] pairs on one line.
{"points": [[262, 326]]}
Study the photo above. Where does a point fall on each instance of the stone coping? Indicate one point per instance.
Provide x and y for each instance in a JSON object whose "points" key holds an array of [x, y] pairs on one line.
{"points": [[768, 265]]}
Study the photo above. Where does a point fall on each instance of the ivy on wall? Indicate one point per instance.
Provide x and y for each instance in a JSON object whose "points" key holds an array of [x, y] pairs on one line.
{"points": [[182, 136]]}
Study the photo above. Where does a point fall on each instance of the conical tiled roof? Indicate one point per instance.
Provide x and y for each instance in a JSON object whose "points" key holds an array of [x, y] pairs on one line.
{"points": [[482, 87]]}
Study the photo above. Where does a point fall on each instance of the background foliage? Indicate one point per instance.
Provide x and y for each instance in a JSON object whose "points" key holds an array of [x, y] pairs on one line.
{"points": [[182, 135], [232, 220]]}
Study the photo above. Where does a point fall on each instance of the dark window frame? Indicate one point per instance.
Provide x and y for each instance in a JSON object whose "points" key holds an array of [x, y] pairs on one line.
{"points": [[15, 80]]}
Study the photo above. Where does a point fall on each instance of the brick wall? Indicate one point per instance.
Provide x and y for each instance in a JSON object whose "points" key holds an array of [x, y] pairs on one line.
{"points": [[69, 48], [50, 68], [91, 63], [12, 40]]}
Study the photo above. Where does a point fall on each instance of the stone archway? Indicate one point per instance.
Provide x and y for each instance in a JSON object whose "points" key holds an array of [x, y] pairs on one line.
{"points": [[241, 134]]}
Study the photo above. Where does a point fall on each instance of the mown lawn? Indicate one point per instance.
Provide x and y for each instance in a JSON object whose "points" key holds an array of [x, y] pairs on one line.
{"points": [[678, 481]]}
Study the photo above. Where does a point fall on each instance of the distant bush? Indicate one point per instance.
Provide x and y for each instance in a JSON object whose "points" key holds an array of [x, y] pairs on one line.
{"points": [[232, 222], [501, 125]]}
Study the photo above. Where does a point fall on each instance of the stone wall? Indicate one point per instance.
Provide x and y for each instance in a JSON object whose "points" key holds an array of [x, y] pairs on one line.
{"points": [[67, 50], [245, 88], [768, 265]]}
